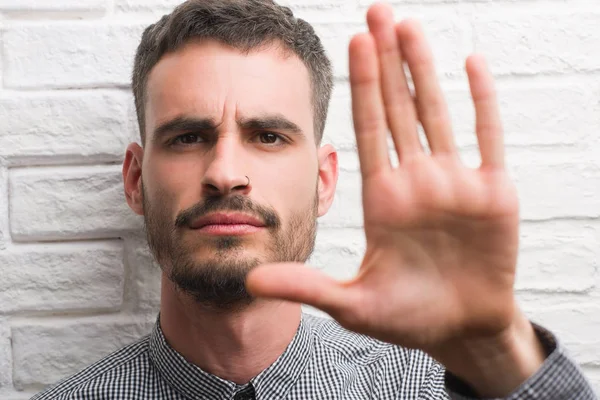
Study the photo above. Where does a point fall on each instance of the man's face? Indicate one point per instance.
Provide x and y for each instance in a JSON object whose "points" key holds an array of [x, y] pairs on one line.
{"points": [[216, 119]]}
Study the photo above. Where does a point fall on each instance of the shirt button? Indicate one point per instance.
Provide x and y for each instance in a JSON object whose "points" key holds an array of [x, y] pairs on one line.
{"points": [[243, 396]]}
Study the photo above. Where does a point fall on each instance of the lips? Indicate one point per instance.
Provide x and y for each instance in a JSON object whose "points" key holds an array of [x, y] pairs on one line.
{"points": [[226, 219]]}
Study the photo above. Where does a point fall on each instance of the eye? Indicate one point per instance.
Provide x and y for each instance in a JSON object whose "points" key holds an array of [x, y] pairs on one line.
{"points": [[187, 139], [271, 138]]}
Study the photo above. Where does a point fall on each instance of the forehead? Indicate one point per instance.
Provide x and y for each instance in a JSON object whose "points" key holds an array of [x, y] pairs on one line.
{"points": [[208, 79]]}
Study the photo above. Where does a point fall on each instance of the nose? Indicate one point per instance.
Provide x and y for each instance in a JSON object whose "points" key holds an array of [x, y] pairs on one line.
{"points": [[227, 172]]}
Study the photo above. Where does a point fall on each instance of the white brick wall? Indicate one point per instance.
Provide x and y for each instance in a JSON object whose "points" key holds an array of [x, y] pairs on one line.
{"points": [[77, 277]]}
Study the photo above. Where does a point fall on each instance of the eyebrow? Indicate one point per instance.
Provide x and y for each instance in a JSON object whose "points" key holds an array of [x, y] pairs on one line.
{"points": [[267, 122], [182, 124], [193, 124]]}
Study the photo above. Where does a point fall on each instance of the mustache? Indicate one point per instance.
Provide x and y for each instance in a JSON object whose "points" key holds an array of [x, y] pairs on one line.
{"points": [[229, 203]]}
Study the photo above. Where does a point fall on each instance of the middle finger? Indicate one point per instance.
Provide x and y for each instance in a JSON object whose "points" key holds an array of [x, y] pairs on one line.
{"points": [[431, 106], [400, 111]]}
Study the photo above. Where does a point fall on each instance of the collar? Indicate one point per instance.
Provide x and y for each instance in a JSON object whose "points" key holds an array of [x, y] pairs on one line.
{"points": [[193, 382]]}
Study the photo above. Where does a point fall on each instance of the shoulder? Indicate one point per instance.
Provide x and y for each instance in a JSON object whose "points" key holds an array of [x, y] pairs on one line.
{"points": [[104, 375], [331, 337]]}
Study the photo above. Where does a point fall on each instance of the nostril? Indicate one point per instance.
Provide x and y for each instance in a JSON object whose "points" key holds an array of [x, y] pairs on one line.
{"points": [[224, 185], [211, 188]]}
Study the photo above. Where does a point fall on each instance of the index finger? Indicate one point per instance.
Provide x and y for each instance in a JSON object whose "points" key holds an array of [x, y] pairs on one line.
{"points": [[368, 113]]}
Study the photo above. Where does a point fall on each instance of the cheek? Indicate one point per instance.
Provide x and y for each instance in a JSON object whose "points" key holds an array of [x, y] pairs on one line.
{"points": [[291, 186], [172, 186]]}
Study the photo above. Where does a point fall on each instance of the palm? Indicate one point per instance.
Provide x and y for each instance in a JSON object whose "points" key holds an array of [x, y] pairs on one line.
{"points": [[439, 235], [441, 238]]}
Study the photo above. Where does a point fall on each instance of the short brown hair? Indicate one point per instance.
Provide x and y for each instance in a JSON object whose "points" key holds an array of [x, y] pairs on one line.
{"points": [[242, 24]]}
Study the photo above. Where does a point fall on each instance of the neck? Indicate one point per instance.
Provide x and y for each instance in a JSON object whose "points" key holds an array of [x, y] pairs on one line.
{"points": [[235, 345]]}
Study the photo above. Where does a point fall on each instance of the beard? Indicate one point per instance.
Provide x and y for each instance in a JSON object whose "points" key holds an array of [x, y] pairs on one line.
{"points": [[218, 280]]}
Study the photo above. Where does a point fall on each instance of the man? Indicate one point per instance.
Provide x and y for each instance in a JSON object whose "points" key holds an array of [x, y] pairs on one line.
{"points": [[250, 85]]}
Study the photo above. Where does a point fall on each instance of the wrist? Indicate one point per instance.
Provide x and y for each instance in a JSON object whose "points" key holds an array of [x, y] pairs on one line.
{"points": [[497, 366]]}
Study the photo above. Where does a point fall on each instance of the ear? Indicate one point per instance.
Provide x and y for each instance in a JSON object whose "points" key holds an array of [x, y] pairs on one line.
{"points": [[132, 177], [328, 176]]}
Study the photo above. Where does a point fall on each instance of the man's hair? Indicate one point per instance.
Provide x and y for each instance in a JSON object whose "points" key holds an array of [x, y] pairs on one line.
{"points": [[245, 25]]}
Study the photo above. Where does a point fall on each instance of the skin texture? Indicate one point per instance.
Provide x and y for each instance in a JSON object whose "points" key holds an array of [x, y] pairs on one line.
{"points": [[196, 169], [442, 239]]}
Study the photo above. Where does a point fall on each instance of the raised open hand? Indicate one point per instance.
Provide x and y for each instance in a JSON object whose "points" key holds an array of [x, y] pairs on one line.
{"points": [[442, 239]]}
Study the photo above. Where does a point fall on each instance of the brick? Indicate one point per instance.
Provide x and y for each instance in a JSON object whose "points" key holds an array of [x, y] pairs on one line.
{"points": [[555, 256], [550, 185], [142, 292], [14, 395], [339, 252], [339, 129], [535, 40], [47, 351], [554, 187], [166, 6], [575, 323], [534, 112], [4, 222], [1, 58], [156, 6], [61, 203], [327, 5], [397, 3], [558, 256], [448, 37], [65, 125], [66, 276], [44, 5], [69, 54], [5, 356], [551, 117]]}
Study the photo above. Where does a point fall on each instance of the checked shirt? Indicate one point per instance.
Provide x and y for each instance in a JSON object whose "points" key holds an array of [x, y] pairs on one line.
{"points": [[323, 361]]}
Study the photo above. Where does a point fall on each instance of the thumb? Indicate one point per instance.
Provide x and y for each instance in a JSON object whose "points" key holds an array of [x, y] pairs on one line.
{"points": [[298, 283]]}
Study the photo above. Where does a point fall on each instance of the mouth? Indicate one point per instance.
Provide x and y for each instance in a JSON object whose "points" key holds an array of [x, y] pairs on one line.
{"points": [[227, 224]]}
